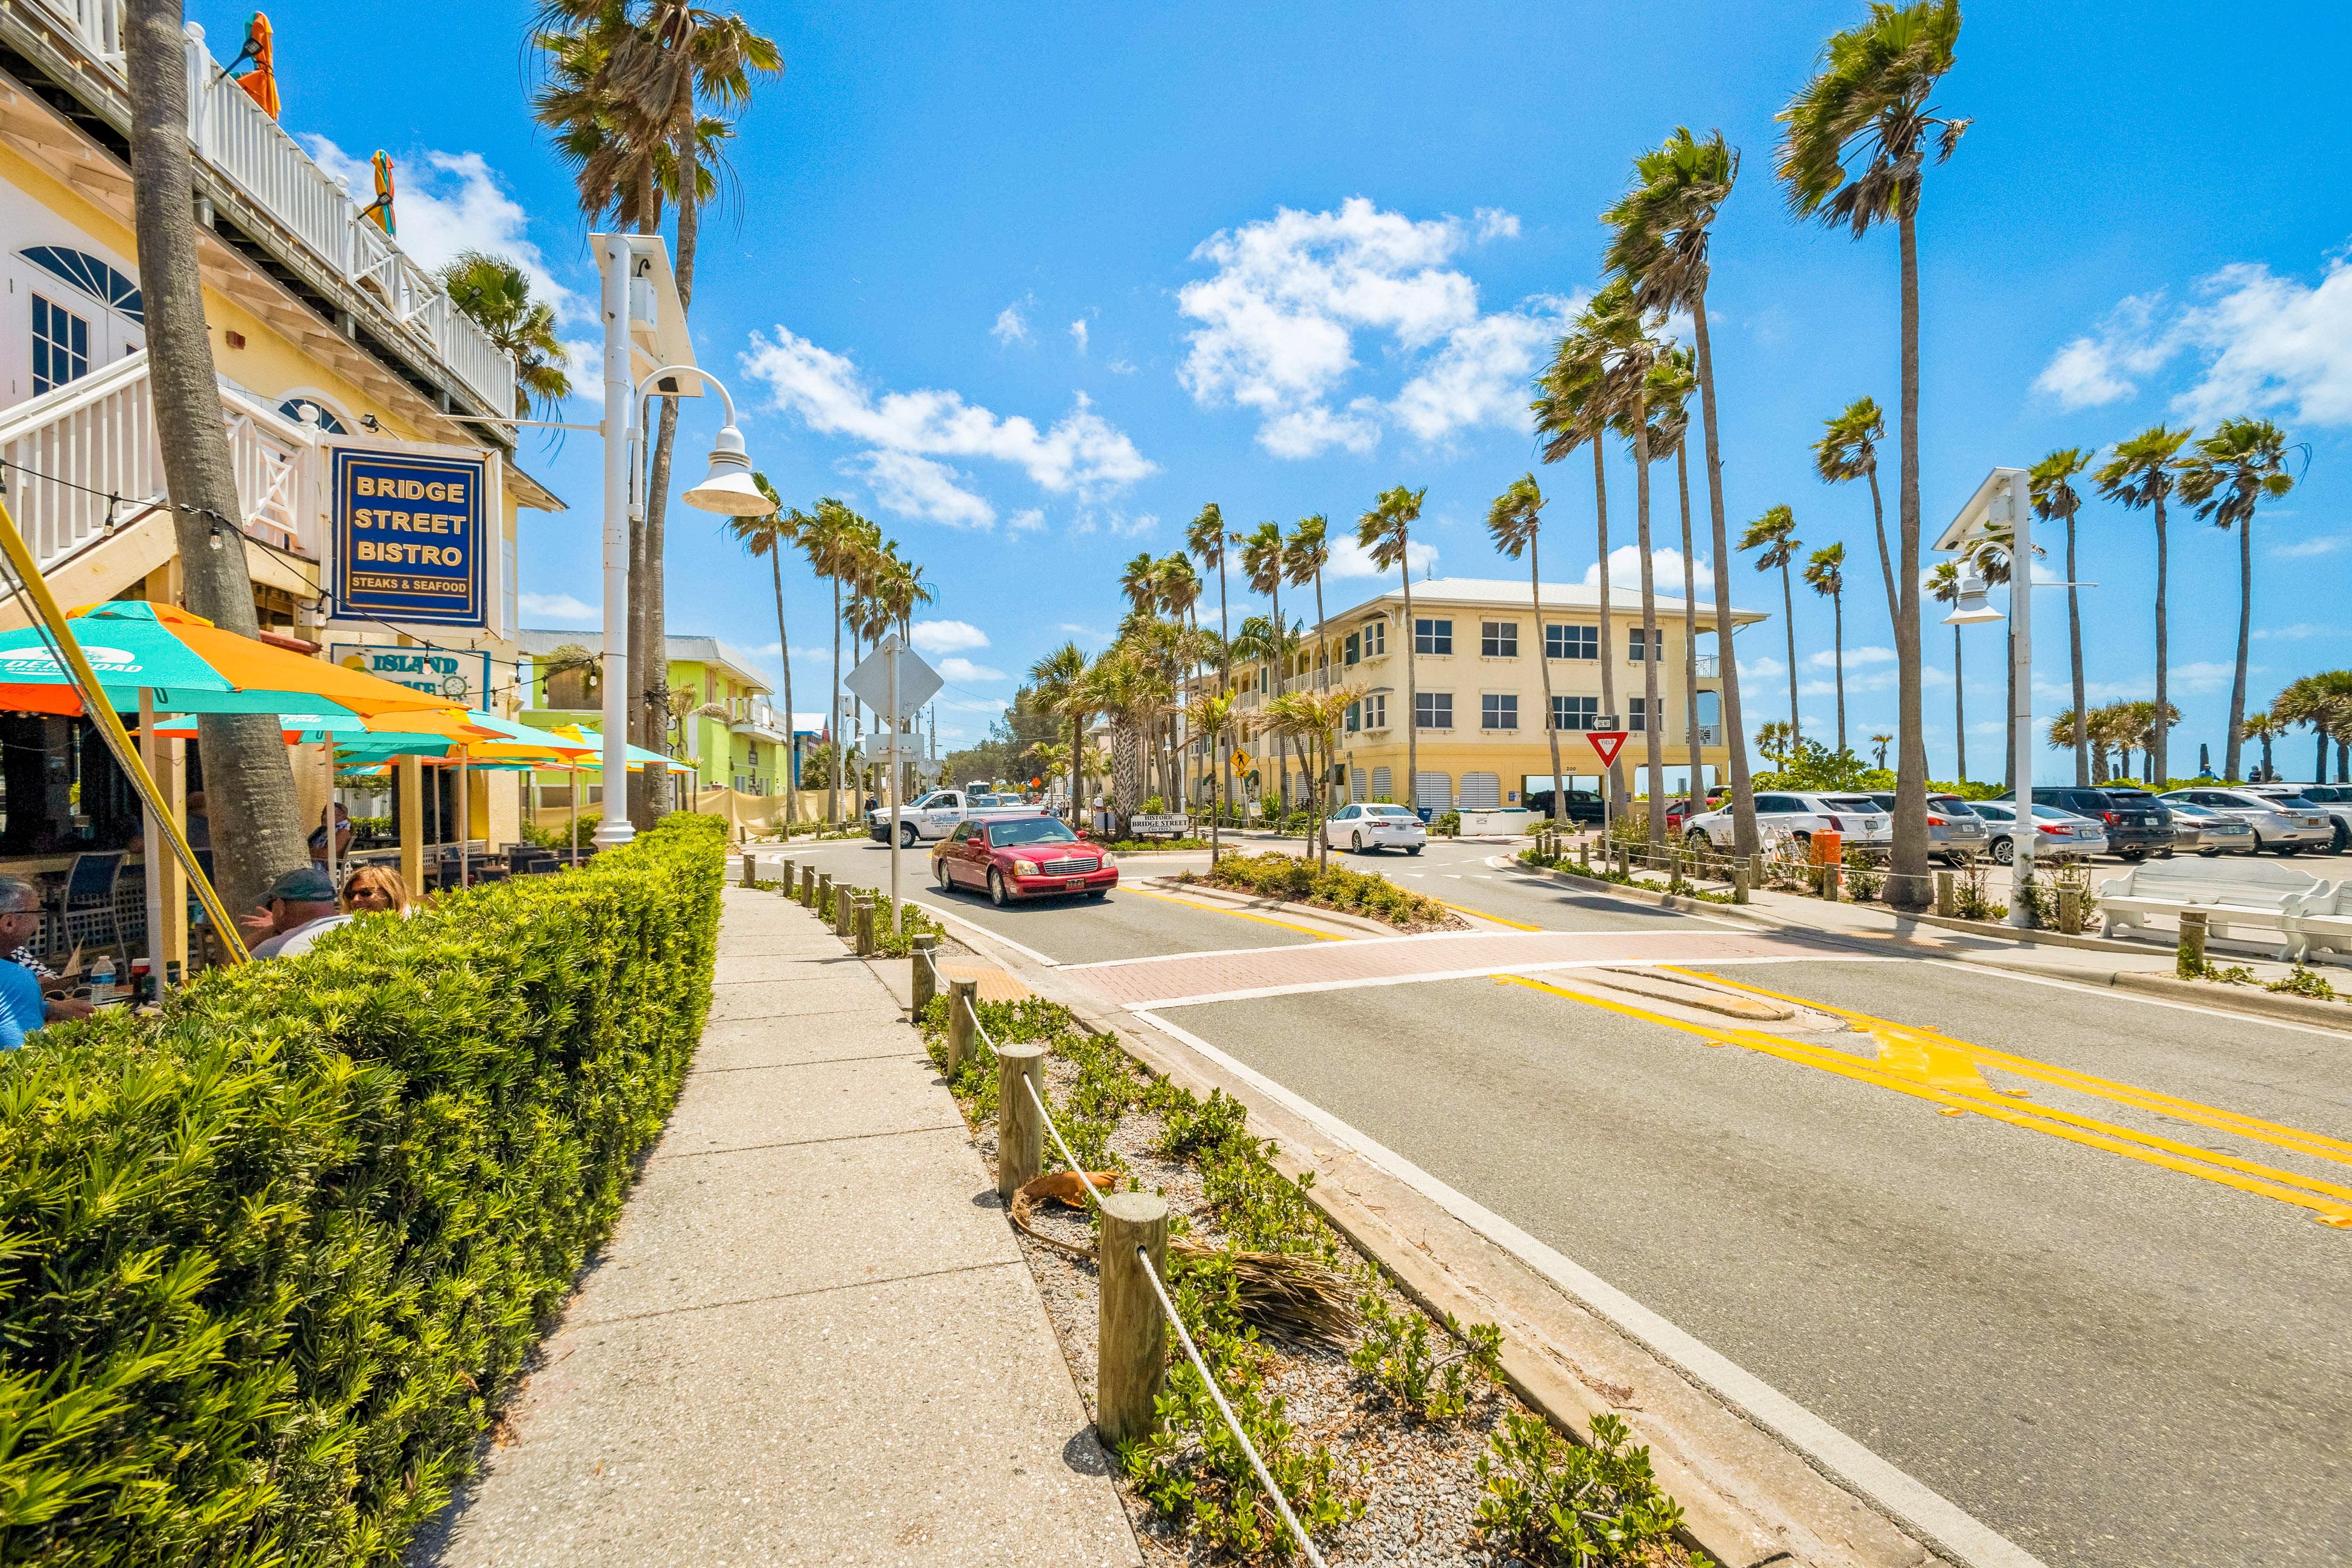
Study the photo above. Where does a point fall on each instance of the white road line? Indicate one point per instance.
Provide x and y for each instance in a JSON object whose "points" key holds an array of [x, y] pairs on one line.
{"points": [[1944, 1524], [1027, 951], [2093, 988], [1427, 938], [1305, 987]]}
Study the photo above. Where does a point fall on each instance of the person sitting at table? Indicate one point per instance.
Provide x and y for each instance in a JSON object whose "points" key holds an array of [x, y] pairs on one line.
{"points": [[342, 835], [299, 909], [22, 1010], [20, 922], [375, 889]]}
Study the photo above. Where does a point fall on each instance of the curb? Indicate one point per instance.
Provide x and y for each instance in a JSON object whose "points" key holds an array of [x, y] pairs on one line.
{"points": [[2237, 999], [1257, 905]]}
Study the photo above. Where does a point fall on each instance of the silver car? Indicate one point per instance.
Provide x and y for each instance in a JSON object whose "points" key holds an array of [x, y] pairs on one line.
{"points": [[2209, 832], [2288, 825], [1955, 834], [2061, 833], [2332, 800]]}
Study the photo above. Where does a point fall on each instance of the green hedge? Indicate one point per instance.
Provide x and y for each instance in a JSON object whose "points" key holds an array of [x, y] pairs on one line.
{"points": [[268, 1264]]}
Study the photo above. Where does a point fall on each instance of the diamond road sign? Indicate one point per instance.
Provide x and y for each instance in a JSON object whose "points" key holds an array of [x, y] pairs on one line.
{"points": [[917, 681]]}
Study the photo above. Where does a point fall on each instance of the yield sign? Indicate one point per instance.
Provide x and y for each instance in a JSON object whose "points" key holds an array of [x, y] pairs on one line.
{"points": [[1608, 742]]}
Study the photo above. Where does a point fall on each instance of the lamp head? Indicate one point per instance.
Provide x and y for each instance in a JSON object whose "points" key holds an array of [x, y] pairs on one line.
{"points": [[728, 488], [1971, 608]]}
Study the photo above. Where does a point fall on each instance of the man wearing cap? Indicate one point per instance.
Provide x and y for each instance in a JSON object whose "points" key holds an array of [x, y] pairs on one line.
{"points": [[299, 909]]}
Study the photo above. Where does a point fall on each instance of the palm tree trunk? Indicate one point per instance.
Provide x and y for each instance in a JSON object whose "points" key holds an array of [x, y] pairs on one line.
{"points": [[1281, 663], [1735, 734], [2245, 626], [1690, 630], [1543, 657], [1959, 709], [2075, 647], [833, 716], [1412, 695], [1837, 652], [248, 783], [1226, 667], [791, 725], [1908, 888], [1886, 558], [1653, 739], [1788, 624], [2163, 632], [1614, 782]]}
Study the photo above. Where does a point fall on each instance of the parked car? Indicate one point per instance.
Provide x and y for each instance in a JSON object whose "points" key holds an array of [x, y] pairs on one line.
{"points": [[2335, 801], [1857, 819], [2288, 825], [1577, 805], [2059, 832], [1022, 857], [939, 814], [1361, 828], [2134, 820], [1955, 834], [2209, 832]]}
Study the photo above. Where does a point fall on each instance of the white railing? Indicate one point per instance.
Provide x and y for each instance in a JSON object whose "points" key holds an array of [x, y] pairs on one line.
{"points": [[1709, 666], [228, 132], [85, 459], [1710, 734]]}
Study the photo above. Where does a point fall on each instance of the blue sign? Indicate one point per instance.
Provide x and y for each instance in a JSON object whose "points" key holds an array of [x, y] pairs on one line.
{"points": [[409, 538]]}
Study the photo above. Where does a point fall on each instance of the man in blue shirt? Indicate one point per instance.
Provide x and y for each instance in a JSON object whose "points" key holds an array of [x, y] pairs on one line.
{"points": [[22, 1011]]}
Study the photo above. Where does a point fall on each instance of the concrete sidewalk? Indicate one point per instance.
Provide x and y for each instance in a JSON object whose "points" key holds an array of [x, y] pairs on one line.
{"points": [[812, 1339]]}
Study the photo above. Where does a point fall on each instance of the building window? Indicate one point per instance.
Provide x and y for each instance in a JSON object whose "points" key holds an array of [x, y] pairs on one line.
{"points": [[1431, 636], [1433, 791], [1432, 710], [1376, 712], [61, 346], [1355, 717], [1576, 713], [1350, 653], [292, 408], [1499, 639], [1384, 785], [1498, 710], [1633, 637], [92, 276], [1572, 642], [1482, 792], [1376, 639], [1635, 716]]}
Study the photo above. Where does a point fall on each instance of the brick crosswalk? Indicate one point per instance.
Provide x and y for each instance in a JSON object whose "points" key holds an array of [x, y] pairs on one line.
{"points": [[1185, 978]]}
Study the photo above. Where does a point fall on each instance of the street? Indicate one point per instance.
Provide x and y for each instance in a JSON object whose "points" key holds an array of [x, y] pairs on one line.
{"points": [[2073, 1259]]}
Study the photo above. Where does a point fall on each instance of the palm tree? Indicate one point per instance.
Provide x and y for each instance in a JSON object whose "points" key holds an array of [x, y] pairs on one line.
{"points": [[1262, 564], [1304, 555], [257, 831], [1576, 402], [1848, 450], [1177, 587], [1880, 743], [1989, 556], [1826, 573], [1207, 539], [1672, 381], [2323, 702], [831, 539], [2055, 498], [1775, 534], [2140, 475], [1385, 533], [1661, 247], [2262, 727], [1868, 106], [2226, 475], [1631, 355], [496, 294], [1057, 686], [1213, 715], [1125, 689], [1139, 582], [1944, 583], [770, 536], [1778, 741], [1312, 719], [1513, 522]]}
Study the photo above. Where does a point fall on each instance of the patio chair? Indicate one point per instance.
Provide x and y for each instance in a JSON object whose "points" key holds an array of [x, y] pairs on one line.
{"points": [[83, 905]]}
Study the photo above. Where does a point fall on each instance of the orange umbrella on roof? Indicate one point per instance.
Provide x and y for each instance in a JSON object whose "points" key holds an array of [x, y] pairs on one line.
{"points": [[379, 211], [256, 66]]}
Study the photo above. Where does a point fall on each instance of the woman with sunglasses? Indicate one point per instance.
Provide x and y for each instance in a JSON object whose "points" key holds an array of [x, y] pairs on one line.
{"points": [[374, 891]]}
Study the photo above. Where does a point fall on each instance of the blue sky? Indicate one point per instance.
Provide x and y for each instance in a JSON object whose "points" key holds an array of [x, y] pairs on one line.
{"points": [[1030, 285]]}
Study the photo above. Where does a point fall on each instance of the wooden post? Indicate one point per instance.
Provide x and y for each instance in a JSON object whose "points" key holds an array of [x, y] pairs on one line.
{"points": [[963, 995], [823, 892], [2190, 964], [1756, 869], [1739, 882], [787, 881], [1020, 1129], [808, 886], [1946, 897], [750, 867], [411, 771], [844, 913], [925, 976], [1132, 1331], [2070, 911], [865, 919], [1584, 853]]}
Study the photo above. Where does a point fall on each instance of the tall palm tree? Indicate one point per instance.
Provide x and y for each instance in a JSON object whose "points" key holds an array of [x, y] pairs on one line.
{"points": [[1944, 584], [1857, 142], [1775, 534], [831, 540], [1660, 246], [258, 833], [1177, 587], [1312, 719], [2141, 474], [2225, 477], [1207, 539], [1879, 744], [1262, 564], [2054, 499], [1304, 555], [2260, 726], [1826, 573], [1848, 450], [1577, 401], [2323, 702], [770, 536], [1632, 355], [1672, 381], [1138, 583], [495, 294], [1057, 686], [1385, 532], [1214, 716], [1514, 523]]}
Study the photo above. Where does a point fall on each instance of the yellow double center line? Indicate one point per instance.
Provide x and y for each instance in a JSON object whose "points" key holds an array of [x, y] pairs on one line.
{"points": [[1934, 1067], [1237, 914]]}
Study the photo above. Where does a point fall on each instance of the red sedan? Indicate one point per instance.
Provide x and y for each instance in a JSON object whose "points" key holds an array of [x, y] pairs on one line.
{"points": [[1025, 858]]}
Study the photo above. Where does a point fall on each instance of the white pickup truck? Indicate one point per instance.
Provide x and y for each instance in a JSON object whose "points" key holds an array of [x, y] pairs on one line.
{"points": [[939, 813]]}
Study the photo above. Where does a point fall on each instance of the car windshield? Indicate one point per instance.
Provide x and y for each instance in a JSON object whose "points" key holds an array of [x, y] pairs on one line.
{"points": [[1850, 802], [2054, 811], [1386, 811], [1949, 805], [1042, 830], [1993, 810]]}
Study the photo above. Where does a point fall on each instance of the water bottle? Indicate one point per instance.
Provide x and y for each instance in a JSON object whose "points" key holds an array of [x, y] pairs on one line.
{"points": [[101, 981]]}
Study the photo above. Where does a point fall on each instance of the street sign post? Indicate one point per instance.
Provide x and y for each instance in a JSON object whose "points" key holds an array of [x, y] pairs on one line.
{"points": [[1607, 743], [893, 680]]}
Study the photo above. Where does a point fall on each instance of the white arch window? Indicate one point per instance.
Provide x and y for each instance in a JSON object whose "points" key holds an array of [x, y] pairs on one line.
{"points": [[300, 409]]}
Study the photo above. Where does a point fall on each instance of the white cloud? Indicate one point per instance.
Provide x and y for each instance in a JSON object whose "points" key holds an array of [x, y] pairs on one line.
{"points": [[1665, 571], [1091, 634], [1025, 520], [2264, 344], [960, 669], [2324, 544], [973, 705], [2296, 632], [948, 637], [562, 608], [1081, 453], [1117, 524], [1350, 559], [1763, 667], [1119, 367], [1011, 327], [1279, 316], [1078, 333]]}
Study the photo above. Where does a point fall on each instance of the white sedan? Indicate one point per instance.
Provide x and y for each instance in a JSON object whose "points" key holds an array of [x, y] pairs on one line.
{"points": [[1361, 828], [2060, 832]]}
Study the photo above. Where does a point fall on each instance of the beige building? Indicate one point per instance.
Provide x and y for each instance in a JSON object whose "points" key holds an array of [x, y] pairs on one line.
{"points": [[1480, 690]]}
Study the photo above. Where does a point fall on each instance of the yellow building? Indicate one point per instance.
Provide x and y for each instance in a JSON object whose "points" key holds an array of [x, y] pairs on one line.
{"points": [[1480, 690], [341, 361]]}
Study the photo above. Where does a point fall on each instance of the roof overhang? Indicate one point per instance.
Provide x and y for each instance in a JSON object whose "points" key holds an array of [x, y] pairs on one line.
{"points": [[1990, 506]]}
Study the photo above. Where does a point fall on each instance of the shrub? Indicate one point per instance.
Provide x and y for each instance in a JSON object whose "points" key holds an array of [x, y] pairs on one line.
{"points": [[1395, 1356], [1551, 1502], [272, 1257], [1279, 876]]}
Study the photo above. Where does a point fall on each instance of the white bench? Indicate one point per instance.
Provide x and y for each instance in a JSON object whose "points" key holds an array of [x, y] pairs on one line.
{"points": [[2254, 896], [2323, 920]]}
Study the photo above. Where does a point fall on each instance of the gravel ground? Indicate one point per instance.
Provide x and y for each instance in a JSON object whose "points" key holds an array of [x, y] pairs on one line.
{"points": [[1418, 1481]]}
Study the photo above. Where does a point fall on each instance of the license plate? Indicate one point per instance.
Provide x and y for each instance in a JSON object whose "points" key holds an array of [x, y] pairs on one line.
{"points": [[1074, 884]]}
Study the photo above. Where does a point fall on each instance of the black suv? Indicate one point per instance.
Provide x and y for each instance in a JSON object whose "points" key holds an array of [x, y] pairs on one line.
{"points": [[1578, 805], [2136, 821]]}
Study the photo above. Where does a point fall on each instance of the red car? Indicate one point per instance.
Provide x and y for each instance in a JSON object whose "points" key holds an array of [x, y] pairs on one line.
{"points": [[1024, 858]]}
